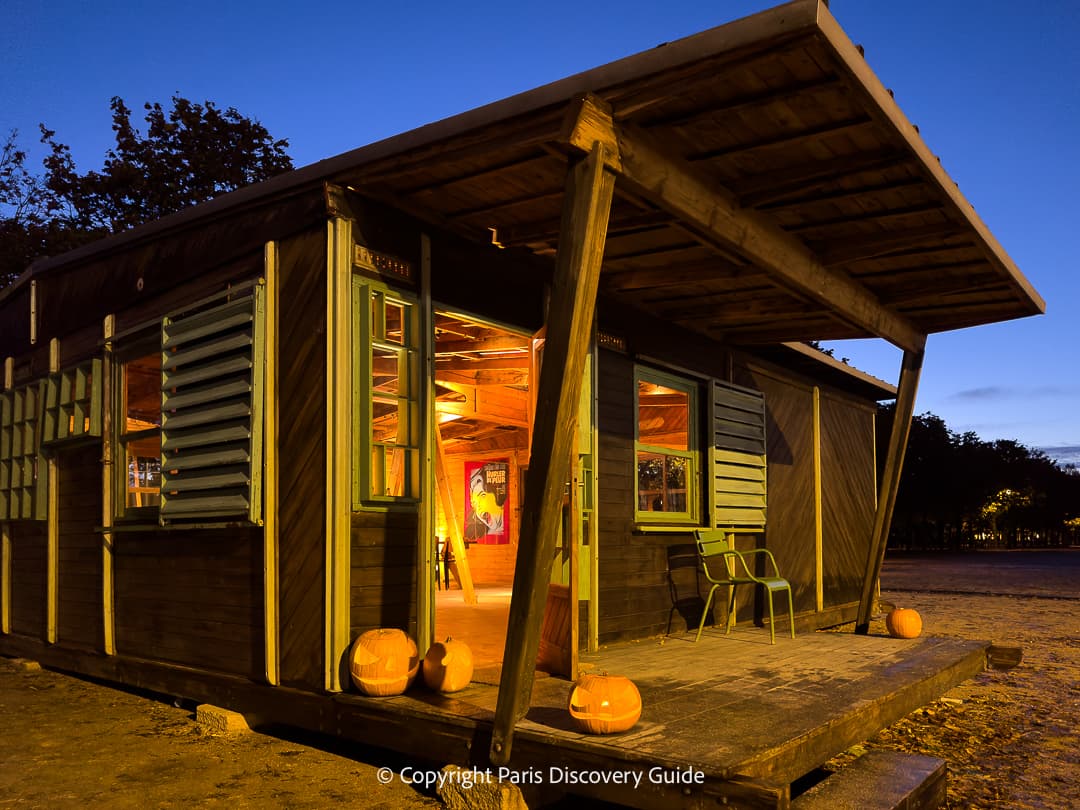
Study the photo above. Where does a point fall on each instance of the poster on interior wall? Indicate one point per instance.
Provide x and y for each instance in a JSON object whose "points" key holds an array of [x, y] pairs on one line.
{"points": [[487, 507]]}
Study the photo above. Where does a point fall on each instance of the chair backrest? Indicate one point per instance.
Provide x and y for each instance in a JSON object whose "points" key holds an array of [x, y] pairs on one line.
{"points": [[714, 543], [711, 542]]}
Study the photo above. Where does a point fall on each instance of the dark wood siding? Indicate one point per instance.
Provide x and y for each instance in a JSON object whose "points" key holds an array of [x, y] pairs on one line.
{"points": [[191, 597], [302, 457], [789, 532], [79, 620], [633, 593], [383, 575], [847, 495], [28, 578]]}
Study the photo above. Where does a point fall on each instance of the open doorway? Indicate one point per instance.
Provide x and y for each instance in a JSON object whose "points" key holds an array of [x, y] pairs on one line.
{"points": [[483, 411]]}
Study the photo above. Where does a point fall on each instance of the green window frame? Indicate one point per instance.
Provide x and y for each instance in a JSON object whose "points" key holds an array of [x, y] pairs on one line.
{"points": [[200, 452], [386, 395], [137, 409], [666, 450], [23, 476]]}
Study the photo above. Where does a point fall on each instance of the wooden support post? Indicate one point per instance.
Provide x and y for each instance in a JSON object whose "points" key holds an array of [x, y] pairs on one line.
{"points": [[426, 547], [819, 563], [586, 208], [457, 542], [339, 449], [890, 482], [108, 612], [52, 527], [271, 588], [572, 540], [5, 531]]}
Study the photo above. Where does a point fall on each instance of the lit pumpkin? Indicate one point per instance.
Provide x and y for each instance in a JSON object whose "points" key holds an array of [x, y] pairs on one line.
{"points": [[604, 704], [903, 623], [448, 666], [383, 662]]}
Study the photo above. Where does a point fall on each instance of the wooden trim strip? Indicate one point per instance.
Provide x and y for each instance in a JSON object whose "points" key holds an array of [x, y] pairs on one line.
{"points": [[819, 564], [271, 589], [339, 442], [52, 527], [108, 409]]}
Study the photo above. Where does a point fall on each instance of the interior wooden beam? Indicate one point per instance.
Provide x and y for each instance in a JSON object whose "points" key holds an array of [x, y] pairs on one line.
{"points": [[890, 482], [589, 192], [494, 343], [676, 186], [457, 542], [486, 377]]}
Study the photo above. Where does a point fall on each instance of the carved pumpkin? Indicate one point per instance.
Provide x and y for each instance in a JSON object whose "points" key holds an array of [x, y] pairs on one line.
{"points": [[604, 704], [448, 666], [383, 662], [903, 623]]}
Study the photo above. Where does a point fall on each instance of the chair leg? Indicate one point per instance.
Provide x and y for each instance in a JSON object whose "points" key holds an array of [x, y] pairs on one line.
{"points": [[705, 613], [772, 621], [730, 620], [791, 611]]}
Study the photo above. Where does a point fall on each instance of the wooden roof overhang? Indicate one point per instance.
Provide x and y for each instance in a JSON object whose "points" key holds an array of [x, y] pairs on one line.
{"points": [[768, 189]]}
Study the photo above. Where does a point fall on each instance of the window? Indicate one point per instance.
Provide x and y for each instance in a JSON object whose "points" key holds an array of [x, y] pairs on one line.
{"points": [[189, 414], [666, 448], [140, 430], [386, 373]]}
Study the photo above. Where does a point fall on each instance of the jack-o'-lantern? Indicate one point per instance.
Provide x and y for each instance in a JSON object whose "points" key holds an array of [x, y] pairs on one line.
{"points": [[604, 704], [383, 662]]}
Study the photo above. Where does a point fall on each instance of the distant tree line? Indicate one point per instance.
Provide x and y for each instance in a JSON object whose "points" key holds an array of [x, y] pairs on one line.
{"points": [[958, 491], [188, 154]]}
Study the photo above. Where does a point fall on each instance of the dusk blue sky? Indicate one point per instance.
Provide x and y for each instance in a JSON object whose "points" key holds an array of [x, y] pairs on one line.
{"points": [[993, 86]]}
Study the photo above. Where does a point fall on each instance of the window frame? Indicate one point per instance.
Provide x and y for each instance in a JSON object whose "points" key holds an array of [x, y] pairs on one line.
{"points": [[146, 343], [692, 515], [370, 335]]}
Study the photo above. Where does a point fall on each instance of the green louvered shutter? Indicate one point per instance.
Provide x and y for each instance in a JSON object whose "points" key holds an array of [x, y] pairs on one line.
{"points": [[23, 477], [737, 456], [211, 413], [71, 409]]}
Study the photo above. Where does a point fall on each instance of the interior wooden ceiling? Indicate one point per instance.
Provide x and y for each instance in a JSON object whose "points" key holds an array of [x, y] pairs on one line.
{"points": [[778, 110]]}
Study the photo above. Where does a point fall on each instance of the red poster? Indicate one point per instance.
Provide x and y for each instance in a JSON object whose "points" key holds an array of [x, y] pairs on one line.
{"points": [[487, 508]]}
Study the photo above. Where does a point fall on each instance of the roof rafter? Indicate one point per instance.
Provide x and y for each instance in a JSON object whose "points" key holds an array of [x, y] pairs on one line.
{"points": [[674, 185]]}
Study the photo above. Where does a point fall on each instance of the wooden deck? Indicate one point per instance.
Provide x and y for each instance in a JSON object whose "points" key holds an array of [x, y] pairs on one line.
{"points": [[752, 717], [745, 717]]}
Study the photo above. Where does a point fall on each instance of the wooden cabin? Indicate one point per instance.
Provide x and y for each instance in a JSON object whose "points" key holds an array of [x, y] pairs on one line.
{"points": [[507, 361]]}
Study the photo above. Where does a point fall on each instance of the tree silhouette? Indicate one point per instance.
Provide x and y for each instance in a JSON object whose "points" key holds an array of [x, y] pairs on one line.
{"points": [[958, 491], [190, 153]]}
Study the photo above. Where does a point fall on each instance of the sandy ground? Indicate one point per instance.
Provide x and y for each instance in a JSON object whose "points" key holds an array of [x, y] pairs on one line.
{"points": [[1011, 737]]}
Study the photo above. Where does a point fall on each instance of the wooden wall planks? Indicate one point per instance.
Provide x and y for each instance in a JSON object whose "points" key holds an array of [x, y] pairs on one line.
{"points": [[302, 457]]}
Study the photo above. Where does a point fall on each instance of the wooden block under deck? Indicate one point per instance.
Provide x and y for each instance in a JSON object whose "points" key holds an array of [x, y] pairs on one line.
{"points": [[1003, 656], [880, 780]]}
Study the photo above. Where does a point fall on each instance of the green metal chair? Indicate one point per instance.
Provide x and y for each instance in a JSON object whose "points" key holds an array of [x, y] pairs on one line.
{"points": [[713, 545]]}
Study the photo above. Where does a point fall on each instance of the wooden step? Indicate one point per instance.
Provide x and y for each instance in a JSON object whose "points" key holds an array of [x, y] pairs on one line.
{"points": [[880, 780]]}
